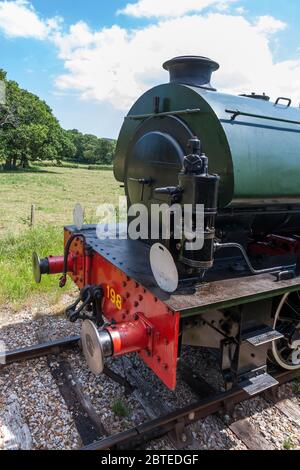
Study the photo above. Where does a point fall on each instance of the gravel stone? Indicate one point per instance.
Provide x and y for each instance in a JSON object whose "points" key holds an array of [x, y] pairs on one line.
{"points": [[30, 394]]}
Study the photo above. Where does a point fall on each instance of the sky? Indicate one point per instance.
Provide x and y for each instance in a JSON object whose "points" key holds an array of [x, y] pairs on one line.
{"points": [[90, 60]]}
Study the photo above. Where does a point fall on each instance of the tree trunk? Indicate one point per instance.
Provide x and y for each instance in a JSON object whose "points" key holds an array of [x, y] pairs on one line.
{"points": [[8, 163], [24, 162]]}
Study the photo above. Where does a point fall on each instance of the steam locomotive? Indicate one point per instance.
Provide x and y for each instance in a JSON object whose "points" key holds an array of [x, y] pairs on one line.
{"points": [[184, 143]]}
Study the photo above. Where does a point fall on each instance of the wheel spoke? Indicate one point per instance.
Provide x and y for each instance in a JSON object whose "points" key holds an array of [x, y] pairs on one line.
{"points": [[286, 321], [282, 348], [293, 309]]}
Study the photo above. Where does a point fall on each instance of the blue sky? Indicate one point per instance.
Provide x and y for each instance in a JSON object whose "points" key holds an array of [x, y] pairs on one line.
{"points": [[92, 73]]}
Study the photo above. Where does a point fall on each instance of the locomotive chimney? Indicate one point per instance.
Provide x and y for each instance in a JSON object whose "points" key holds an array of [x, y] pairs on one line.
{"points": [[192, 70]]}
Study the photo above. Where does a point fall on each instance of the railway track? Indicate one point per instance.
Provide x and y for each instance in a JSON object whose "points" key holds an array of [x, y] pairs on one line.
{"points": [[173, 423], [38, 350]]}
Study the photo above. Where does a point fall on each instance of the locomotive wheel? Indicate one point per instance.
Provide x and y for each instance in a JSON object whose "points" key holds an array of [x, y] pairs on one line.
{"points": [[286, 351]]}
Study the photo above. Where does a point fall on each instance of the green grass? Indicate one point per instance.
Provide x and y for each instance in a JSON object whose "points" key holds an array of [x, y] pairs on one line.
{"points": [[120, 409], [16, 280], [54, 191], [288, 444]]}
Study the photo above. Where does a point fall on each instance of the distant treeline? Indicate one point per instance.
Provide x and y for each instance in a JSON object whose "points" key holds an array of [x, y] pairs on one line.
{"points": [[29, 132]]}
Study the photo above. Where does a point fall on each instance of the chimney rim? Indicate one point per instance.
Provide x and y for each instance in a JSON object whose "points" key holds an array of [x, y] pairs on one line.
{"points": [[214, 66]]}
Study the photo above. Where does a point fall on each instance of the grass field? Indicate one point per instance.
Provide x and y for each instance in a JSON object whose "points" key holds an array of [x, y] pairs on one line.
{"points": [[54, 192]]}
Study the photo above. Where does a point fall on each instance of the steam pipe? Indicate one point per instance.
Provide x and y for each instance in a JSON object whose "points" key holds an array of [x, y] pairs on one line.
{"points": [[220, 246]]}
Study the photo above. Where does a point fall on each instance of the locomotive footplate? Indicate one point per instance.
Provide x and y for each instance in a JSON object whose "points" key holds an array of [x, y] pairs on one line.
{"points": [[222, 288], [144, 319]]}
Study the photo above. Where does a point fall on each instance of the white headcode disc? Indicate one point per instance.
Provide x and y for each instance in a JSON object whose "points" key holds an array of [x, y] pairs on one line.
{"points": [[164, 268]]}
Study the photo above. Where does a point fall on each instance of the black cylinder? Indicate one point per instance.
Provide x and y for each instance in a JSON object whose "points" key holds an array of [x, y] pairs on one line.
{"points": [[200, 190]]}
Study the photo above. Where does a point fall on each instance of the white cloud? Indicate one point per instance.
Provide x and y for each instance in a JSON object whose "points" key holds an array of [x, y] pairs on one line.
{"points": [[170, 8], [241, 10], [19, 19], [116, 65], [269, 25]]}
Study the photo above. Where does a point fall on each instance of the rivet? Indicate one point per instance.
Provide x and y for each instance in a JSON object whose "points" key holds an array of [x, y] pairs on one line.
{"points": [[165, 366], [141, 298], [191, 416], [136, 304]]}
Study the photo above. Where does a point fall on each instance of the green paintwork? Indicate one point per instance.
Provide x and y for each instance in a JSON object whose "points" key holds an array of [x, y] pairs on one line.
{"points": [[258, 160], [265, 154]]}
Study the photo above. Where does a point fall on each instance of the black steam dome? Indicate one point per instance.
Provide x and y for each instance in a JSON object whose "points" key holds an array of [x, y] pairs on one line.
{"points": [[192, 70]]}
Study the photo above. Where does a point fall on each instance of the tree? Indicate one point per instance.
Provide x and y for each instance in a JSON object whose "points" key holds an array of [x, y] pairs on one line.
{"points": [[22, 142], [105, 151], [31, 132], [91, 149]]}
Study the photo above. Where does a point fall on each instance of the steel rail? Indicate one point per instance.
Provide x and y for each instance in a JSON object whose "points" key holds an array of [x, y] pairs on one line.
{"points": [[187, 415], [154, 428], [38, 350]]}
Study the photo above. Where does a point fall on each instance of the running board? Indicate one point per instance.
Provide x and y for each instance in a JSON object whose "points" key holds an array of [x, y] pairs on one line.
{"points": [[263, 336], [258, 384]]}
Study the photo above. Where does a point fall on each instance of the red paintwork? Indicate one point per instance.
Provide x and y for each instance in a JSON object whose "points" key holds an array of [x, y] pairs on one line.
{"points": [[161, 350], [56, 264], [275, 245], [132, 336]]}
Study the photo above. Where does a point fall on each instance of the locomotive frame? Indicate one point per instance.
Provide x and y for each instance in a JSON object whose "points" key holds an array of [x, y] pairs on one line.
{"points": [[144, 319]]}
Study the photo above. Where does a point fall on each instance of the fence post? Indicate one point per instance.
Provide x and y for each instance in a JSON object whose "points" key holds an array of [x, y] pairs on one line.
{"points": [[32, 216]]}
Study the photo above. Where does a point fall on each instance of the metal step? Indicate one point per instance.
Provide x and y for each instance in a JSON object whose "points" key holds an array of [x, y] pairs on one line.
{"points": [[255, 385], [263, 336]]}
